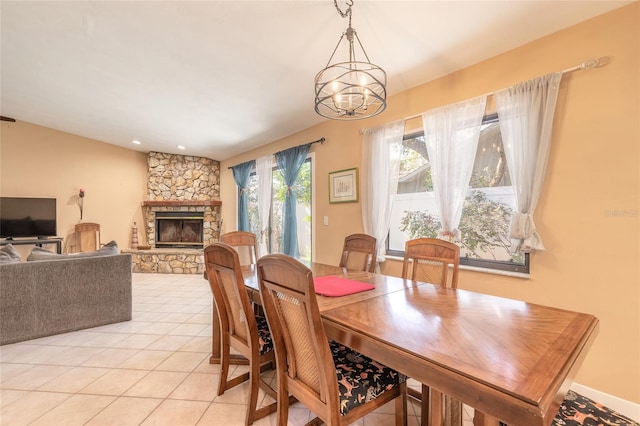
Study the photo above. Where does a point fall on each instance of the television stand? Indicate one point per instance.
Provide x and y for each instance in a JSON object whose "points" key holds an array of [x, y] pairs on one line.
{"points": [[35, 241]]}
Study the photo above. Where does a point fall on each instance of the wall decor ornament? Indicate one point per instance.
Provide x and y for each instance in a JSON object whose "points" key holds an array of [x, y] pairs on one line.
{"points": [[343, 186], [81, 194]]}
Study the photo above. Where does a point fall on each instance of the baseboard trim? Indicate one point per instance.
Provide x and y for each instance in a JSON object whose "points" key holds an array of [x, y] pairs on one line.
{"points": [[622, 406]]}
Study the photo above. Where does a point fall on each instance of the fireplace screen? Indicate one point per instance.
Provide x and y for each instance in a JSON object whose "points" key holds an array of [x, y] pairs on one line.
{"points": [[179, 229]]}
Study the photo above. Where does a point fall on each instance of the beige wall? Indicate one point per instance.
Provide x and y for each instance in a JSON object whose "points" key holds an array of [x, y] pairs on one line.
{"points": [[592, 258], [39, 162]]}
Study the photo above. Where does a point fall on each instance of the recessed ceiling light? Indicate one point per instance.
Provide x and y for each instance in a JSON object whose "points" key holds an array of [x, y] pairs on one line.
{"points": [[136, 142], [181, 147]]}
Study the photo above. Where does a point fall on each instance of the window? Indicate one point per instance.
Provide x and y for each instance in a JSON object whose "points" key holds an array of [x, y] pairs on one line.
{"points": [[302, 190], [486, 213]]}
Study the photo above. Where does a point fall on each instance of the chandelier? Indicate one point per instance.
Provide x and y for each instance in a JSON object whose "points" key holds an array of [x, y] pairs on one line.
{"points": [[351, 89]]}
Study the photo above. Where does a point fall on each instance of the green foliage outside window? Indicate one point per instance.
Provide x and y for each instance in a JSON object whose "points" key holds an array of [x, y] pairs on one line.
{"points": [[301, 188], [484, 225], [302, 191]]}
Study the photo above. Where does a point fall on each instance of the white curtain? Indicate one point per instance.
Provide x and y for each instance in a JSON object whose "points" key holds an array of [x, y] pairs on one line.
{"points": [[526, 113], [451, 134], [264, 170], [381, 150]]}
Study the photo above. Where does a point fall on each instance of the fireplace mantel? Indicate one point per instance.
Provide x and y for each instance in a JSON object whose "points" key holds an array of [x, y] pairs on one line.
{"points": [[178, 203]]}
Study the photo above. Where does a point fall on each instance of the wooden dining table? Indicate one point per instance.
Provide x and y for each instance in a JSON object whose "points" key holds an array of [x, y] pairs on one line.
{"points": [[512, 361], [383, 285]]}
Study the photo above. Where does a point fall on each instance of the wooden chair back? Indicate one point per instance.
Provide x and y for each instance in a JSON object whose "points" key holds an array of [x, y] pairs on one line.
{"points": [[429, 259], [87, 237], [305, 366], [239, 329], [245, 243], [359, 253]]}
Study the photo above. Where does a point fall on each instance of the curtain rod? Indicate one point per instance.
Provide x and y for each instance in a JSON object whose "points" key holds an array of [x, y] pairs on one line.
{"points": [[589, 63], [321, 141]]}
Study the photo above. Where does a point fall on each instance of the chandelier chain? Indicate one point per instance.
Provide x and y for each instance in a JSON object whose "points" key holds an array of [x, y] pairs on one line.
{"points": [[345, 13]]}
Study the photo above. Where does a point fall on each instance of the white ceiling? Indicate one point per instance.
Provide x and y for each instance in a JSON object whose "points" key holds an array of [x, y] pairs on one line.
{"points": [[223, 77]]}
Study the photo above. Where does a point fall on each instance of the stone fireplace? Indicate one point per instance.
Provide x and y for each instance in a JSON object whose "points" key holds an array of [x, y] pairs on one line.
{"points": [[182, 213]]}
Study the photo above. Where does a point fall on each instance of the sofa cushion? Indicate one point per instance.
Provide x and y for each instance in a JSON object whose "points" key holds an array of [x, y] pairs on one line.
{"points": [[108, 249], [9, 254], [38, 253]]}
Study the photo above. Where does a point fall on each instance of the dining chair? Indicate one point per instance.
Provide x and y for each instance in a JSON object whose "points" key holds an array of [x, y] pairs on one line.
{"points": [[359, 252], [87, 237], [240, 328], [245, 243], [429, 260], [338, 384]]}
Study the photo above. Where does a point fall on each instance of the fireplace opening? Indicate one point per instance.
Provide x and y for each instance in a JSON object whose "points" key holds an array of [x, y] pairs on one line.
{"points": [[179, 229]]}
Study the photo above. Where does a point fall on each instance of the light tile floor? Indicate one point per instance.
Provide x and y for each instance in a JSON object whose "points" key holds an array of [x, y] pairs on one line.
{"points": [[152, 370]]}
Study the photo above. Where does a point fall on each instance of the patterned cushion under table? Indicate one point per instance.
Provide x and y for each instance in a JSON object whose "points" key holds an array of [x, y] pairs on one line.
{"points": [[360, 379], [264, 335], [578, 410]]}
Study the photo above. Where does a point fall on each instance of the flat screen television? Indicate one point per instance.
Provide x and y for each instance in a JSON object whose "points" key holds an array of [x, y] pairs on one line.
{"points": [[27, 217]]}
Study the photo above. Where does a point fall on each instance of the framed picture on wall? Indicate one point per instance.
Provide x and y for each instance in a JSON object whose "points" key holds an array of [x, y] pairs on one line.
{"points": [[343, 186]]}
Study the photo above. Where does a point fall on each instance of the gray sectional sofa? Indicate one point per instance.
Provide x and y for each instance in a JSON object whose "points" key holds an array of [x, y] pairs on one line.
{"points": [[67, 293]]}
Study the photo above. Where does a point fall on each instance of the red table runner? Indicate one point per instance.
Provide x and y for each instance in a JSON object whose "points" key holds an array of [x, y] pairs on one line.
{"points": [[337, 286]]}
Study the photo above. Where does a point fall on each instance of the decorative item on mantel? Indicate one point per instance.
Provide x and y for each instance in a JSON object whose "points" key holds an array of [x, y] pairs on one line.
{"points": [[134, 236], [220, 230], [81, 194]]}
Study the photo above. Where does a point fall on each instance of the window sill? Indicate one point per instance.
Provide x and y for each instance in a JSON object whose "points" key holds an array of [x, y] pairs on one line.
{"points": [[481, 270], [495, 272]]}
